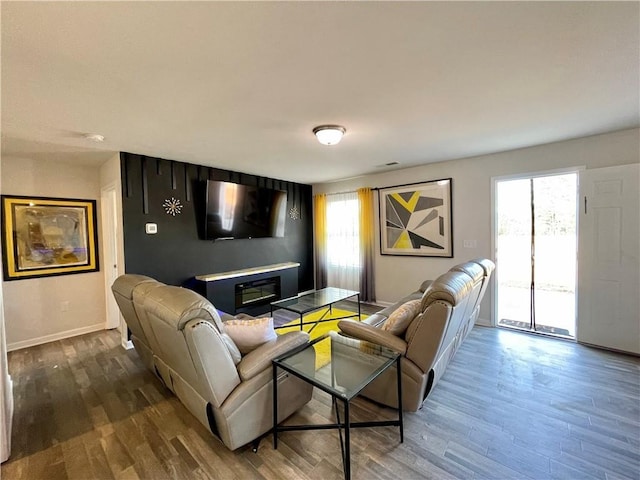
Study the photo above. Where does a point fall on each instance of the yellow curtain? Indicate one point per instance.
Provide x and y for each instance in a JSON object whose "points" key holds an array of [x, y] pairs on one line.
{"points": [[320, 235], [367, 239]]}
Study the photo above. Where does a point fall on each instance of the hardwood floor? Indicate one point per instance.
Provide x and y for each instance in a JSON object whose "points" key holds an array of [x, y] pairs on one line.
{"points": [[510, 405]]}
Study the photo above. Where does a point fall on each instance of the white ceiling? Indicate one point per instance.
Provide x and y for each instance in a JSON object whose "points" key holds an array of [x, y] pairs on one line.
{"points": [[240, 85]]}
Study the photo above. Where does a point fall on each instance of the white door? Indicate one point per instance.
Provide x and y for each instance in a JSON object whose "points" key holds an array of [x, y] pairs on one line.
{"points": [[110, 239], [608, 258]]}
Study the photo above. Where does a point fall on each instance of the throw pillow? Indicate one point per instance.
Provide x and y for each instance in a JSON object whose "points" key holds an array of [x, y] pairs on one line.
{"points": [[251, 333], [401, 317]]}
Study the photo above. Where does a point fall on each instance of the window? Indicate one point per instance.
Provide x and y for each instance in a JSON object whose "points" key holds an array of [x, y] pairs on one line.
{"points": [[343, 240], [344, 236]]}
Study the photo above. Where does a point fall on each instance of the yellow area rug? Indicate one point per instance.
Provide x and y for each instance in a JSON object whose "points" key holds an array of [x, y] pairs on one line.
{"points": [[323, 353]]}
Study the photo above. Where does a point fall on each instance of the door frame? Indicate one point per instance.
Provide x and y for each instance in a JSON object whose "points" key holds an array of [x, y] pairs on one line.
{"points": [[111, 231], [494, 225]]}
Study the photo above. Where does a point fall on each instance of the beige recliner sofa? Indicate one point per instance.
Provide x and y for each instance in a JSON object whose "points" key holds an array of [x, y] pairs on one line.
{"points": [[122, 290], [448, 309], [183, 335]]}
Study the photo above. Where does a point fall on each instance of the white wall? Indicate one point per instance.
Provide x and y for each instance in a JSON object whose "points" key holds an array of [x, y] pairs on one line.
{"points": [[472, 178], [32, 307]]}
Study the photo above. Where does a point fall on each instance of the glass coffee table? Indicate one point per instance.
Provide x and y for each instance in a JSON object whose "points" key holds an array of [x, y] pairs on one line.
{"points": [[353, 365], [317, 300]]}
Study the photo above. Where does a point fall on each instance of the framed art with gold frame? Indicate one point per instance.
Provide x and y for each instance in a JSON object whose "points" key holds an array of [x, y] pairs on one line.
{"points": [[48, 236]]}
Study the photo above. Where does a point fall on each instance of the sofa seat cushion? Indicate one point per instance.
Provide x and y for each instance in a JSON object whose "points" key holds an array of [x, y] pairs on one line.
{"points": [[400, 319], [260, 359], [248, 334]]}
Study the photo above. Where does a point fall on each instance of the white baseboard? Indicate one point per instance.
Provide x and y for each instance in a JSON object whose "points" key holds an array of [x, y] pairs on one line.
{"points": [[32, 342], [383, 304], [483, 322]]}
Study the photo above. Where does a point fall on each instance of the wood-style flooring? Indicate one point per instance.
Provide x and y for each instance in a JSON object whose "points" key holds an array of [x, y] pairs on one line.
{"points": [[510, 405]]}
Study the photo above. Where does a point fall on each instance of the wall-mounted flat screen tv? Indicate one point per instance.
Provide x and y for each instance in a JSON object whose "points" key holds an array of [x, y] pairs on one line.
{"points": [[242, 211]]}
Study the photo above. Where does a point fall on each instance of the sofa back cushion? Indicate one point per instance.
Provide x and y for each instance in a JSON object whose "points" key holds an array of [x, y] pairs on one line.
{"points": [[188, 330], [123, 289], [443, 306], [451, 287], [476, 273], [488, 266], [139, 295]]}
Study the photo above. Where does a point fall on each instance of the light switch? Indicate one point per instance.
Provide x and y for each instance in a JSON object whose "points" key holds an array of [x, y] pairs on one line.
{"points": [[470, 244], [151, 228]]}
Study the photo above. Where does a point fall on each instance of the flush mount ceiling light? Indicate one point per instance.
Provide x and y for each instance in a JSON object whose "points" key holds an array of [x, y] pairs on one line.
{"points": [[94, 137], [329, 134]]}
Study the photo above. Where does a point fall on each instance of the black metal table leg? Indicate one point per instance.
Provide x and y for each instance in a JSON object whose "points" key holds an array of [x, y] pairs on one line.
{"points": [[275, 407], [347, 442], [399, 372], [331, 387], [335, 406]]}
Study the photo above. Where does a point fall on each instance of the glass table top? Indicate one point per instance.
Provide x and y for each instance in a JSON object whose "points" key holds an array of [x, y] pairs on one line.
{"points": [[346, 365], [312, 301]]}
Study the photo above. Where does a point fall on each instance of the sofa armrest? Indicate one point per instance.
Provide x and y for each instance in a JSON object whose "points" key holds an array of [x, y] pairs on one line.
{"points": [[256, 361], [362, 331], [375, 320]]}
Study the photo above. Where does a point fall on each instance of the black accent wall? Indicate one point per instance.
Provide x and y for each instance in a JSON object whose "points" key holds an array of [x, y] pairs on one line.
{"points": [[177, 252]]}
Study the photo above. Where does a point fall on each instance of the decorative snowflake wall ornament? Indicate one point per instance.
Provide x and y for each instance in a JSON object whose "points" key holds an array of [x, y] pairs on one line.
{"points": [[293, 213], [172, 207]]}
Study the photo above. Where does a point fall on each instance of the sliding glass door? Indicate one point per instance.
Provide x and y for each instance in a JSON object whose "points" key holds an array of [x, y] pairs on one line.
{"points": [[535, 242]]}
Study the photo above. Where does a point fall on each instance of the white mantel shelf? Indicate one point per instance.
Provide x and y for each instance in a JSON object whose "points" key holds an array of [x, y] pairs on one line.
{"points": [[212, 277]]}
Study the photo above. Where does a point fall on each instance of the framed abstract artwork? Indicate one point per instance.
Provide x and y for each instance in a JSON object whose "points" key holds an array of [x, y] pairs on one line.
{"points": [[415, 219], [48, 236]]}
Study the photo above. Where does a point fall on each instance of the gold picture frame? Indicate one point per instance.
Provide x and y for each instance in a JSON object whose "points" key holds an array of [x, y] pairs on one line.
{"points": [[48, 236], [416, 219]]}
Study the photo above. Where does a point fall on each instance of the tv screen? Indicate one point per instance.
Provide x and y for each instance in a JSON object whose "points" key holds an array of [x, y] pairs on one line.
{"points": [[242, 211]]}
